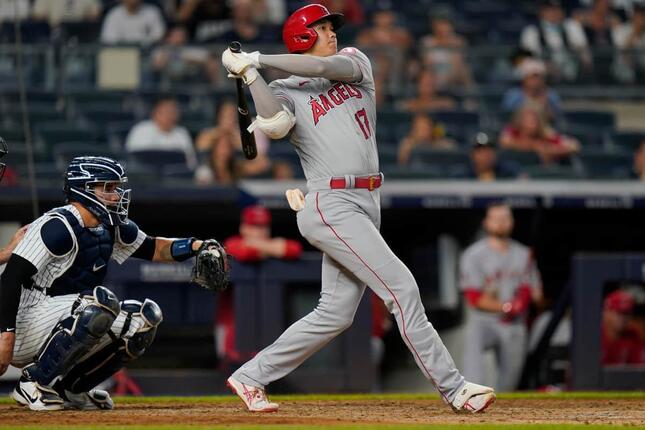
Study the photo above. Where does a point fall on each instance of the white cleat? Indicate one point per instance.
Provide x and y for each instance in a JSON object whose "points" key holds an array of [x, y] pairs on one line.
{"points": [[473, 398], [254, 398], [36, 397], [92, 400]]}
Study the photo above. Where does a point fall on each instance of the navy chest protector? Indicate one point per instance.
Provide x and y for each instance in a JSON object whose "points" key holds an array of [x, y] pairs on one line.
{"points": [[90, 264]]}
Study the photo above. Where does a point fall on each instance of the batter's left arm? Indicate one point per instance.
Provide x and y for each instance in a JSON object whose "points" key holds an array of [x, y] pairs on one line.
{"points": [[335, 67]]}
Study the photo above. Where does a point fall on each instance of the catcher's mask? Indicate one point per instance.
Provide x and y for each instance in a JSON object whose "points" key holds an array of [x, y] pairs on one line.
{"points": [[98, 184], [4, 150]]}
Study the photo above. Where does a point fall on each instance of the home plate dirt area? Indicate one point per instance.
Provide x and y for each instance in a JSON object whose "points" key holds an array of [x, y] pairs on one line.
{"points": [[327, 412]]}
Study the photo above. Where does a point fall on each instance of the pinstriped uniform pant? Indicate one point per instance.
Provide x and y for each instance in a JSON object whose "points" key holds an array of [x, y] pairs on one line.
{"points": [[37, 316]]}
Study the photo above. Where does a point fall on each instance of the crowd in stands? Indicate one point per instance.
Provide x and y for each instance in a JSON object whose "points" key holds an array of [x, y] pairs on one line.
{"points": [[481, 81]]}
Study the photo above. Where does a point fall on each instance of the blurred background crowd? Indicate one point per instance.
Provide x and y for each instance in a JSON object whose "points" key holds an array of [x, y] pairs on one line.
{"points": [[466, 89]]}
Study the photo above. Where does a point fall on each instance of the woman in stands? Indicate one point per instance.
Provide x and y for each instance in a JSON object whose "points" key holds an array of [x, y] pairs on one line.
{"points": [[529, 131]]}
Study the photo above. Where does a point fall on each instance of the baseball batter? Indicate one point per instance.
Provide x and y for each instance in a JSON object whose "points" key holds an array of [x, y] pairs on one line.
{"points": [[499, 279], [328, 110], [67, 331]]}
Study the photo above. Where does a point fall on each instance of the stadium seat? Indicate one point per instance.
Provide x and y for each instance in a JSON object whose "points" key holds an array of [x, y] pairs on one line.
{"points": [[628, 140], [12, 134], [600, 121], [519, 158], [157, 159], [101, 114], [64, 152], [604, 165], [53, 133], [552, 172], [447, 163], [410, 172], [388, 154]]}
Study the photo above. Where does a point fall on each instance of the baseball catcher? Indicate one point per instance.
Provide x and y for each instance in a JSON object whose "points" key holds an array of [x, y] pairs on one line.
{"points": [[57, 321]]}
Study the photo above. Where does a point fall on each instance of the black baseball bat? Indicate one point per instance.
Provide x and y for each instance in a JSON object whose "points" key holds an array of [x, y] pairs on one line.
{"points": [[244, 119]]}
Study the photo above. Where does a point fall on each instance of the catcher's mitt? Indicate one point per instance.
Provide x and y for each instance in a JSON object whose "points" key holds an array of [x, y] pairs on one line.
{"points": [[211, 266]]}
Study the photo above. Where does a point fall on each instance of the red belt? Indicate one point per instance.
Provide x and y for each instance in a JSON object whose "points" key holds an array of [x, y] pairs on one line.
{"points": [[370, 182]]}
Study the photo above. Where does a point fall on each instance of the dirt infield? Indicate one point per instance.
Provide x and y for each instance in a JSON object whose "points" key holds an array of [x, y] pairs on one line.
{"points": [[328, 413]]}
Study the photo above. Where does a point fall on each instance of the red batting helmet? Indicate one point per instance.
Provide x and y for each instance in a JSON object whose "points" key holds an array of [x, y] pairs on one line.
{"points": [[296, 33]]}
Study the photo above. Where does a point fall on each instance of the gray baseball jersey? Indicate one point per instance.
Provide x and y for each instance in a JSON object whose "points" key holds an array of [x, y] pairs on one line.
{"points": [[335, 126], [38, 313], [334, 136], [500, 275]]}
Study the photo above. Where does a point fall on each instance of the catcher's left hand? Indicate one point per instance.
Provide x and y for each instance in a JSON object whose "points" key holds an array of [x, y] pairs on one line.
{"points": [[211, 266]]}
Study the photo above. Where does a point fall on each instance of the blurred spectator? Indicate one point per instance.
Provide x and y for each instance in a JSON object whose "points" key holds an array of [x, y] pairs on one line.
{"points": [[630, 39], [162, 132], [424, 132], [484, 165], [218, 147], [205, 20], [529, 131], [181, 63], [8, 9], [244, 25], [443, 53], [253, 244], [500, 280], [427, 97], [282, 170], [638, 171], [384, 32], [351, 9], [598, 23], [271, 12], [562, 40], [133, 22], [533, 89], [621, 341], [57, 11]]}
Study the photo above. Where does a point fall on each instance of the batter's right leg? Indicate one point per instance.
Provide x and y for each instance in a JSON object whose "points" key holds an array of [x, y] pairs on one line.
{"points": [[339, 299], [351, 238]]}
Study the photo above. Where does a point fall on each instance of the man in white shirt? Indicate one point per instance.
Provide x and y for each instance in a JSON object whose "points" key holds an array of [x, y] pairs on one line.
{"points": [[562, 39], [629, 38], [133, 22], [57, 11], [8, 10], [162, 133]]}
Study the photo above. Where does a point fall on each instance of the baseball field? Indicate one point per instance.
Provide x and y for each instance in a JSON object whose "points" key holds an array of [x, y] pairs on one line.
{"points": [[371, 411]]}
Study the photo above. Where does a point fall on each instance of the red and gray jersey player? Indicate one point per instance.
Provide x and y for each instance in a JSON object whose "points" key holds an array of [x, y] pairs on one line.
{"points": [[327, 109]]}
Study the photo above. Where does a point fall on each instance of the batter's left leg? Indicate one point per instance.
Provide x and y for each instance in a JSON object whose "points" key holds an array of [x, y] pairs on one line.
{"points": [[339, 300]]}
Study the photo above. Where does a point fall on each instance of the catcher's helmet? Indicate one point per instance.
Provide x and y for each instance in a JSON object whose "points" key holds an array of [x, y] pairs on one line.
{"points": [[296, 33], [83, 173], [4, 150]]}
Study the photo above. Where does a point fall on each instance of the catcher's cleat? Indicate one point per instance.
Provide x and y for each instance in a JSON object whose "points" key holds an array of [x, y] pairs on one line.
{"points": [[89, 401], [254, 398], [473, 398], [37, 397]]}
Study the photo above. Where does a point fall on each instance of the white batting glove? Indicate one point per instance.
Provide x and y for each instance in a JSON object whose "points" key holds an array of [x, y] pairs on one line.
{"points": [[296, 199], [241, 65]]}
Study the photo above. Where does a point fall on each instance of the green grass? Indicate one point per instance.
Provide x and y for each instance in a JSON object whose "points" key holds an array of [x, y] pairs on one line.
{"points": [[352, 397], [321, 427], [365, 397]]}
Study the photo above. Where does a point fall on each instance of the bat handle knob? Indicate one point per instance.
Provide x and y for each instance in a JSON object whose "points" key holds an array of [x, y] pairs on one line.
{"points": [[235, 47]]}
